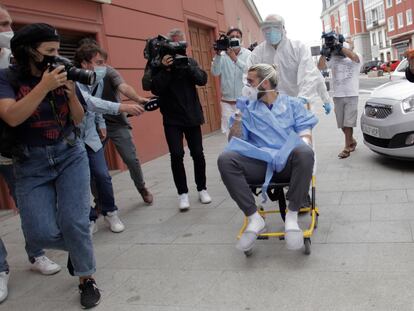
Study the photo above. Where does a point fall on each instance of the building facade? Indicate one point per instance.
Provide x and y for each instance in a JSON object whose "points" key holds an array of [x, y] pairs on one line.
{"points": [[122, 27], [376, 25], [400, 27], [347, 17]]}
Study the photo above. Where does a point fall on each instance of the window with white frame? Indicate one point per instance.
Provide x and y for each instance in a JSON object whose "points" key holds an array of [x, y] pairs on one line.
{"points": [[391, 23], [409, 16], [398, 1], [373, 39], [379, 38], [343, 17], [381, 14], [388, 3], [400, 20], [327, 23]]}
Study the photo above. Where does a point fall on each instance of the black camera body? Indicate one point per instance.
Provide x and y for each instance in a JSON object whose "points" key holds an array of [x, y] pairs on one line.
{"points": [[332, 44], [177, 50], [223, 43], [156, 48], [83, 76]]}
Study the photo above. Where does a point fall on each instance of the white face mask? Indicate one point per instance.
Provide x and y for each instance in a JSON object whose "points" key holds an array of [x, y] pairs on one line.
{"points": [[5, 38], [252, 92]]}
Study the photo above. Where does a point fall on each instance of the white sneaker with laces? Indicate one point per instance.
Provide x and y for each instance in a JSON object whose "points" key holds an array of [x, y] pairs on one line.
{"points": [[93, 227], [45, 266], [115, 224], [184, 204], [204, 197], [4, 280]]}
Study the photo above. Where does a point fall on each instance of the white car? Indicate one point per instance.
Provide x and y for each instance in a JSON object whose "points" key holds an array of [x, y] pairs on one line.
{"points": [[399, 72], [387, 121]]}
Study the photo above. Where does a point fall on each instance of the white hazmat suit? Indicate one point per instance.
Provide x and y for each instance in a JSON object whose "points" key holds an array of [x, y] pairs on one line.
{"points": [[298, 76]]}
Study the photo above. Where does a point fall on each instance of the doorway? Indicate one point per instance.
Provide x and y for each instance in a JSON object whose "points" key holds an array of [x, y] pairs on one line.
{"points": [[201, 45]]}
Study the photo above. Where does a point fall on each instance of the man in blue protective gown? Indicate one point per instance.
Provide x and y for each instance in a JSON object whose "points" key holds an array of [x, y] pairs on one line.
{"points": [[269, 140]]}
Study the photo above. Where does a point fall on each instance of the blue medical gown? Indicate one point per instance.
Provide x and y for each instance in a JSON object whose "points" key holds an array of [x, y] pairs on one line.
{"points": [[270, 135]]}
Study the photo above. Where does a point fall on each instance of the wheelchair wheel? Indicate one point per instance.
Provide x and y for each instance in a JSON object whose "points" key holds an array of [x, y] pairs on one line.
{"points": [[248, 253], [307, 242]]}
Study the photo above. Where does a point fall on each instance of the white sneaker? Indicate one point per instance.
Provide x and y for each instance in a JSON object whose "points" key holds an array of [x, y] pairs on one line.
{"points": [[4, 279], [204, 197], [45, 266], [93, 227], [184, 204], [114, 222]]}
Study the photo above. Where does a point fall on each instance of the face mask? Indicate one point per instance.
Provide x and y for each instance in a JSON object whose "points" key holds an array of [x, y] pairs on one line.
{"points": [[47, 60], [100, 72], [5, 38], [273, 36], [252, 93]]}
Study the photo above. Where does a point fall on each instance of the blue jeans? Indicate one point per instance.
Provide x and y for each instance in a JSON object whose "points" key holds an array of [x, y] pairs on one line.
{"points": [[32, 251], [4, 267], [52, 189], [101, 184]]}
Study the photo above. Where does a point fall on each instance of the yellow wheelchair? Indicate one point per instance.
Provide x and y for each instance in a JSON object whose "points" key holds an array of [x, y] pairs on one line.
{"points": [[275, 192]]}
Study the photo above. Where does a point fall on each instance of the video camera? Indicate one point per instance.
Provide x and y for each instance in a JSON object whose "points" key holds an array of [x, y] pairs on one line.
{"points": [[332, 44], [83, 76], [156, 48], [223, 43]]}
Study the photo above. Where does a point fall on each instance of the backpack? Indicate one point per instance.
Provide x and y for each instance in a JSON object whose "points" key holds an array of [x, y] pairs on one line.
{"points": [[9, 145]]}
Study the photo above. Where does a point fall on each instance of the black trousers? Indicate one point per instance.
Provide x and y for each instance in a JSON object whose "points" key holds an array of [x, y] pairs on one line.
{"points": [[174, 136]]}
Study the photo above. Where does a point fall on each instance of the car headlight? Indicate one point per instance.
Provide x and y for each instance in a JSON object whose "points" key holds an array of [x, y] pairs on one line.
{"points": [[408, 104]]}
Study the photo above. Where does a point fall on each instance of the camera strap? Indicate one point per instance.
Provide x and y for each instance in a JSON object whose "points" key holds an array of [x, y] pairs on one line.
{"points": [[52, 103], [95, 89]]}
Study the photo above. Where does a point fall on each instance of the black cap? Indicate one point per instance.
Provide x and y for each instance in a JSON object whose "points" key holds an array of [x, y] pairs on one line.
{"points": [[32, 34]]}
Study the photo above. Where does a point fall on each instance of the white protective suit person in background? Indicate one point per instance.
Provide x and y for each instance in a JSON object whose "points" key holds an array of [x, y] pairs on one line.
{"points": [[298, 75]]}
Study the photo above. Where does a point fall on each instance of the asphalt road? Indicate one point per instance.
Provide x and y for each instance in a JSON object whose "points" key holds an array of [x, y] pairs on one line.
{"points": [[367, 85]]}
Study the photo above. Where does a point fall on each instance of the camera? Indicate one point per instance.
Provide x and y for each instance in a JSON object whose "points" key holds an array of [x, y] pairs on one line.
{"points": [[224, 42], [83, 76], [332, 44], [156, 48]]}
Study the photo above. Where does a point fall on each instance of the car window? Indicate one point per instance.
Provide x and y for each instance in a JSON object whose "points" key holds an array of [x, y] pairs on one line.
{"points": [[402, 66]]}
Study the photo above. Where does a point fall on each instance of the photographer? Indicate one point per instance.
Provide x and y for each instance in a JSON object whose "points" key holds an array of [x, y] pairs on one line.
{"points": [[230, 66], [345, 66], [38, 260], [51, 166], [298, 75], [182, 115]]}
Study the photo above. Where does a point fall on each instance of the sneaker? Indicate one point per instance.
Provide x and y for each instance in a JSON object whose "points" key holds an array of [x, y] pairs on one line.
{"points": [[204, 197], [114, 222], [89, 294], [45, 266], [146, 195], [93, 227], [184, 204], [4, 279]]}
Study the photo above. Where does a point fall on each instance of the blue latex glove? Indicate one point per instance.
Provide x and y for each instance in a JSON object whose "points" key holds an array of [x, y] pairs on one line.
{"points": [[327, 107]]}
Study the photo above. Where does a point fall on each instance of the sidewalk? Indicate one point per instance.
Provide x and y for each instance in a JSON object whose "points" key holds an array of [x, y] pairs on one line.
{"points": [[362, 252]]}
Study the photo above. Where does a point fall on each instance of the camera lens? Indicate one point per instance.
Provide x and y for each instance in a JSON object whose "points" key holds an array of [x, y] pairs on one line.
{"points": [[83, 76]]}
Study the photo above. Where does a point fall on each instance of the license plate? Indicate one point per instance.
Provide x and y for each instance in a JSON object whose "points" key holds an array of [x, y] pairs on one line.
{"points": [[370, 130]]}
